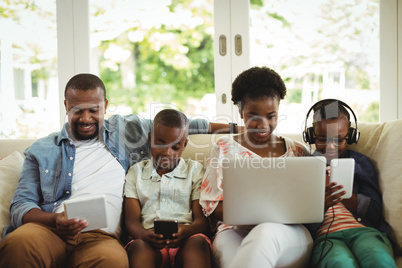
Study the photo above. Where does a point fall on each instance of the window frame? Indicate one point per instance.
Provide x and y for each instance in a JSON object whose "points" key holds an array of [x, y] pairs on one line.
{"points": [[231, 18]]}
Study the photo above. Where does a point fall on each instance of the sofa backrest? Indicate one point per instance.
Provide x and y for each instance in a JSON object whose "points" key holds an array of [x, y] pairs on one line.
{"points": [[380, 142], [8, 146]]}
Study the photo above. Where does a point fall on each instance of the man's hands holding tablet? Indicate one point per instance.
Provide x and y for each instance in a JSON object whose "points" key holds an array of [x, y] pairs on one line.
{"points": [[69, 229], [82, 214]]}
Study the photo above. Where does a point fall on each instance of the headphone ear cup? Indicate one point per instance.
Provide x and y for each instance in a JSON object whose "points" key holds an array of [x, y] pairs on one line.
{"points": [[308, 135], [353, 135]]}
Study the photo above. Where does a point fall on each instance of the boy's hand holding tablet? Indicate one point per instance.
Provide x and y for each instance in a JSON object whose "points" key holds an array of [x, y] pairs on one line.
{"points": [[342, 172]]}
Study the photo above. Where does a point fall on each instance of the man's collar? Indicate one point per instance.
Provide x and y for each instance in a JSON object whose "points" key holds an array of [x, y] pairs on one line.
{"points": [[64, 134]]}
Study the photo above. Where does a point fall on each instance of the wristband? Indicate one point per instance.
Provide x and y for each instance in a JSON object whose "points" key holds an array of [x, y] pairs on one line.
{"points": [[232, 128]]}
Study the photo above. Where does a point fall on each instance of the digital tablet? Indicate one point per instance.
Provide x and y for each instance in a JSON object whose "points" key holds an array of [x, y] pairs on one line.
{"points": [[91, 208], [342, 172]]}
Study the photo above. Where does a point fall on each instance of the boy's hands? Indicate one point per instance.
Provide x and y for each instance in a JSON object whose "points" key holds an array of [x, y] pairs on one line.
{"points": [[155, 240], [331, 198], [69, 229], [179, 237]]}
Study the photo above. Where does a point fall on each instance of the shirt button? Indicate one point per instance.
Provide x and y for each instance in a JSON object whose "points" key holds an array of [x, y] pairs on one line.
{"points": [[142, 152], [67, 192], [359, 219], [69, 174], [71, 158], [55, 203], [46, 171]]}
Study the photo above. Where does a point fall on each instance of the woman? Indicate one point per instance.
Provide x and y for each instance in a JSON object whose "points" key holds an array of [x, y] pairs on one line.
{"points": [[257, 93]]}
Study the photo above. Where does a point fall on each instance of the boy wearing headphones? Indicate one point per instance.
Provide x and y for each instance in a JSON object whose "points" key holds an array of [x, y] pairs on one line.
{"points": [[354, 232]]}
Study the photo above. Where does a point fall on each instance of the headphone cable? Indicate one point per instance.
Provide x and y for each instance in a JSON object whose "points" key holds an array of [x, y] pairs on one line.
{"points": [[326, 239]]}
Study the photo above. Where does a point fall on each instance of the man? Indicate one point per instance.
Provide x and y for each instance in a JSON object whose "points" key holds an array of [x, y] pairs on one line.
{"points": [[89, 156]]}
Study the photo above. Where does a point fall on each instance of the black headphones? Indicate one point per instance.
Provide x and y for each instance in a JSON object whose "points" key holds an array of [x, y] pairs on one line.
{"points": [[308, 133]]}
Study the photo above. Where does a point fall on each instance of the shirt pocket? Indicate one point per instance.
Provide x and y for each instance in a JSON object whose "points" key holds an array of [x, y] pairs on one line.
{"points": [[181, 200], [49, 180]]}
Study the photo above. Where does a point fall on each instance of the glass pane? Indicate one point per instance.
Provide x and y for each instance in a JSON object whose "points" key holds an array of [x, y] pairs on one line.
{"points": [[29, 100], [154, 53], [322, 49]]}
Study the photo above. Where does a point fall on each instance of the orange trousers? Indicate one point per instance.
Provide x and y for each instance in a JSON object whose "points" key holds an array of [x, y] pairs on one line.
{"points": [[37, 245]]}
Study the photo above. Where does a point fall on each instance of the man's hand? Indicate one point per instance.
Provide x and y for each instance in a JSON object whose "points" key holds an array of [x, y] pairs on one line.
{"points": [[69, 229]]}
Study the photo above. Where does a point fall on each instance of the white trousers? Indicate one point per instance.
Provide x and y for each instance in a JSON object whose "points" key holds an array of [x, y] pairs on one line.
{"points": [[266, 245]]}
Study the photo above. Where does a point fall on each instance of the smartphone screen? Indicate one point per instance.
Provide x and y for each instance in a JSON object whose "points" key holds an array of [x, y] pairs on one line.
{"points": [[342, 172], [166, 228]]}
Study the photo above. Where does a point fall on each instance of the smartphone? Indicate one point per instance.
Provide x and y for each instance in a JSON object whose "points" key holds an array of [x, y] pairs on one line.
{"points": [[166, 228], [342, 172]]}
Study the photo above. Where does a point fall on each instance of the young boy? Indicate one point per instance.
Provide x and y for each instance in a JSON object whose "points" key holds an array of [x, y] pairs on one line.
{"points": [[354, 232], [166, 187]]}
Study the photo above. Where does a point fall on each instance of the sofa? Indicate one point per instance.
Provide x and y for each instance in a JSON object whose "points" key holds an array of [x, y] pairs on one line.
{"points": [[380, 142]]}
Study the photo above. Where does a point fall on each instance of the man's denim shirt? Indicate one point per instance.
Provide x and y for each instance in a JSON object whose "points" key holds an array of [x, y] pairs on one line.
{"points": [[47, 172]]}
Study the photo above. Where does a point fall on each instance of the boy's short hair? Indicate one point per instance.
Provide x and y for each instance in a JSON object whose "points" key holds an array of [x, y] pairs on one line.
{"points": [[329, 109], [257, 82], [84, 82], [171, 118]]}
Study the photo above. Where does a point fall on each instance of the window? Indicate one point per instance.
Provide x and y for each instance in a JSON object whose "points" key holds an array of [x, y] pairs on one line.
{"points": [[322, 49], [153, 54], [28, 69], [168, 52]]}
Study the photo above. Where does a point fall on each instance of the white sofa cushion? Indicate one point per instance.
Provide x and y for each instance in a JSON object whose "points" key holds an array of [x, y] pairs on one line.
{"points": [[388, 159], [382, 144], [10, 169]]}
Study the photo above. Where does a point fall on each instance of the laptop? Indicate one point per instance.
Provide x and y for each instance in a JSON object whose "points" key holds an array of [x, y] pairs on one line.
{"points": [[287, 190]]}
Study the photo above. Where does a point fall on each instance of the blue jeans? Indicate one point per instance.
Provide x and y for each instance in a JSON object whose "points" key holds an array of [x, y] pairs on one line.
{"points": [[355, 247]]}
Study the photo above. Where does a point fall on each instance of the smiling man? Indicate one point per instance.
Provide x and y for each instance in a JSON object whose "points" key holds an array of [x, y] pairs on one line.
{"points": [[89, 156], [85, 110]]}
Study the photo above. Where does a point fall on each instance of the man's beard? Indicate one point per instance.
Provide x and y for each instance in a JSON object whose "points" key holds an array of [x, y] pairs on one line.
{"points": [[78, 136]]}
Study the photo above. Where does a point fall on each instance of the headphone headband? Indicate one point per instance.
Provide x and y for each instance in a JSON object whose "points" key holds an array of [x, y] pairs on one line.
{"points": [[308, 134]]}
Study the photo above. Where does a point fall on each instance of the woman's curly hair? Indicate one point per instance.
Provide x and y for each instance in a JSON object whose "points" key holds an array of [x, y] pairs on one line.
{"points": [[257, 82]]}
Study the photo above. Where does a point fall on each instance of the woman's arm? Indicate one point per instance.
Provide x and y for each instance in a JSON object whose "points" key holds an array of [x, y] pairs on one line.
{"points": [[224, 128], [218, 212], [211, 187]]}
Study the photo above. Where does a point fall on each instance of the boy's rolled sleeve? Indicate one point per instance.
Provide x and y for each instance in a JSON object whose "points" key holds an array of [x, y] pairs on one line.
{"points": [[130, 186]]}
